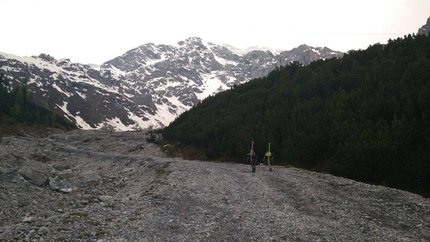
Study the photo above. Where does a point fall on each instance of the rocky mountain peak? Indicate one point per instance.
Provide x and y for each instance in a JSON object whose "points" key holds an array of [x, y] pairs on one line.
{"points": [[191, 41], [47, 58], [425, 28]]}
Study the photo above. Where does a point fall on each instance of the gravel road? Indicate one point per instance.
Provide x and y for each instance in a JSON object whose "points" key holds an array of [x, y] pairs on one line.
{"points": [[95, 186]]}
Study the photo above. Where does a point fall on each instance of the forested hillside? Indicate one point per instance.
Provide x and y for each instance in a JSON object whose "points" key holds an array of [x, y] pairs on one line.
{"points": [[16, 108], [365, 116]]}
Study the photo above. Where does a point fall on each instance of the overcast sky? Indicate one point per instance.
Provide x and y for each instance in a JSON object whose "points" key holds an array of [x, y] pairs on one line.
{"points": [[95, 31]]}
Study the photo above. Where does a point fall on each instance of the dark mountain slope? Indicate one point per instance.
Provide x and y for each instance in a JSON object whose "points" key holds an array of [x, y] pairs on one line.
{"points": [[18, 112], [365, 116]]}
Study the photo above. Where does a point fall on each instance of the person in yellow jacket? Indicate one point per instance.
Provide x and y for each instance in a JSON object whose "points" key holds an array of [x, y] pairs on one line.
{"points": [[269, 157]]}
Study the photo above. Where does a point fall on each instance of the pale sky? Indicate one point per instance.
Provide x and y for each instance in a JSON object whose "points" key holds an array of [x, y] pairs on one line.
{"points": [[95, 31]]}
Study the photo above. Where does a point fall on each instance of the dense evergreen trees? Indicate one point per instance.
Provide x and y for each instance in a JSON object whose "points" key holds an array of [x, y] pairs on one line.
{"points": [[16, 107], [365, 116]]}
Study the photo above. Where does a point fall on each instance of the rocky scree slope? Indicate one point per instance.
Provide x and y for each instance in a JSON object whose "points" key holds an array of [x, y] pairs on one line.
{"points": [[101, 186]]}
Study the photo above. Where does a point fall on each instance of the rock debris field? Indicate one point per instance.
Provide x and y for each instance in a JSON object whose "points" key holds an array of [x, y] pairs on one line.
{"points": [[101, 186]]}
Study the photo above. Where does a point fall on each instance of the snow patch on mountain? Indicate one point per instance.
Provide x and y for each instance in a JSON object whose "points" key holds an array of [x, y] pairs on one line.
{"points": [[243, 51], [211, 84]]}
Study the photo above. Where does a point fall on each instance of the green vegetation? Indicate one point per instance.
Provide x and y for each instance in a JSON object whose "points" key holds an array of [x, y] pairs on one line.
{"points": [[18, 110], [365, 116]]}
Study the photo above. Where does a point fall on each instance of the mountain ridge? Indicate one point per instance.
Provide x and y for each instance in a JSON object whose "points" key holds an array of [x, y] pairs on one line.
{"points": [[425, 28], [148, 86]]}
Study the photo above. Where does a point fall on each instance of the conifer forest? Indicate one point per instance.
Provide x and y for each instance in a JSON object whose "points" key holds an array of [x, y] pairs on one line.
{"points": [[365, 116]]}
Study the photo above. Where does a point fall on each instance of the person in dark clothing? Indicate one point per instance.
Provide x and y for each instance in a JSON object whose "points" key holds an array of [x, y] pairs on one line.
{"points": [[179, 146], [252, 158]]}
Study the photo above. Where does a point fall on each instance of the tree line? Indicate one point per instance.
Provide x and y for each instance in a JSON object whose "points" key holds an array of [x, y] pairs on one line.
{"points": [[365, 116], [17, 107]]}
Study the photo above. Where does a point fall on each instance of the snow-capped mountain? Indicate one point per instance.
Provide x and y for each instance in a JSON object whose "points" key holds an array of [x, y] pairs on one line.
{"points": [[148, 86]]}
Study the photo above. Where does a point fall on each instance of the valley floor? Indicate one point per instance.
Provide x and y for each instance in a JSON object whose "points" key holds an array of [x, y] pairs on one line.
{"points": [[95, 186]]}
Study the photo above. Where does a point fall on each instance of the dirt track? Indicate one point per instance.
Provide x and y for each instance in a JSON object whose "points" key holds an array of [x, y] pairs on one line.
{"points": [[117, 187]]}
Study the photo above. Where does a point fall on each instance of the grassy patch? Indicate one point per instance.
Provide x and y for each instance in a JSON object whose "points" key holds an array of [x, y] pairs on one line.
{"points": [[70, 218], [162, 170], [101, 233], [79, 214], [40, 157], [23, 204], [108, 146], [135, 148], [109, 206]]}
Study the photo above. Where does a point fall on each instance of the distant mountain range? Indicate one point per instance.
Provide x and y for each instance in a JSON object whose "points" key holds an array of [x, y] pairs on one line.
{"points": [[148, 86]]}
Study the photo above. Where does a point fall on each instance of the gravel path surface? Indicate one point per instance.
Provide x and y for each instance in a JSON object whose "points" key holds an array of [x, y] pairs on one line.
{"points": [[94, 186]]}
